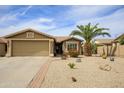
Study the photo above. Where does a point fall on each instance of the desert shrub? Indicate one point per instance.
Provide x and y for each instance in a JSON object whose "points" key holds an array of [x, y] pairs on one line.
{"points": [[121, 40], [94, 47], [74, 53], [71, 65], [104, 56]]}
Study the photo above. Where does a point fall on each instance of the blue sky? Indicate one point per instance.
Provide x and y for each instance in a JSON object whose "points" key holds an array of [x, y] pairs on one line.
{"points": [[60, 20]]}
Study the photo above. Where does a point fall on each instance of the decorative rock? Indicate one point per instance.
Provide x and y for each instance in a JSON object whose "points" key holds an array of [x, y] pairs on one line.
{"points": [[63, 57], [105, 67], [111, 59], [104, 56], [78, 60], [74, 79]]}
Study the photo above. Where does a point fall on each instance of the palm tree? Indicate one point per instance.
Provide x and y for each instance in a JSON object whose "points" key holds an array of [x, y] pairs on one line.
{"points": [[88, 33]]}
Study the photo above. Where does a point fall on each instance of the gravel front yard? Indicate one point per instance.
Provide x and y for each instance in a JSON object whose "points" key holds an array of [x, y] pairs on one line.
{"points": [[86, 72]]}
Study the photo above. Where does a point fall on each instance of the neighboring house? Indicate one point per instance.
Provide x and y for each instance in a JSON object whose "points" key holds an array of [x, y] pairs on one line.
{"points": [[105, 44], [66, 44], [3, 46], [30, 42], [119, 47]]}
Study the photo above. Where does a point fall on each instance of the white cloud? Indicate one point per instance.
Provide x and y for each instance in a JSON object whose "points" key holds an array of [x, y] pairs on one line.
{"points": [[8, 17], [12, 16], [114, 22], [26, 10], [80, 15], [35, 24], [45, 20], [64, 31], [77, 12]]}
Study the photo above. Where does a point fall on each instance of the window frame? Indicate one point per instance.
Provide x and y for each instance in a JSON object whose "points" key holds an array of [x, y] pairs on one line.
{"points": [[71, 46], [30, 35]]}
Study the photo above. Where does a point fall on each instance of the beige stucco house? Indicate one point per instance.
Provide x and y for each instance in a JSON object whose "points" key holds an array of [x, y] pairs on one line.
{"points": [[30, 42], [119, 48], [111, 46], [105, 44]]}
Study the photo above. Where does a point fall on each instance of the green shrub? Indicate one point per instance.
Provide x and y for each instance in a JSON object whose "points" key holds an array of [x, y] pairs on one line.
{"points": [[121, 41], [94, 47], [104, 56], [73, 53], [71, 65]]}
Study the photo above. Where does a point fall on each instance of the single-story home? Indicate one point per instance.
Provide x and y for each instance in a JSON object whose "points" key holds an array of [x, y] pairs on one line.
{"points": [[30, 42], [104, 45], [3, 46]]}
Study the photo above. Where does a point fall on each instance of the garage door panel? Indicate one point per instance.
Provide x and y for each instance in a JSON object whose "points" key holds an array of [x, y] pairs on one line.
{"points": [[30, 48]]}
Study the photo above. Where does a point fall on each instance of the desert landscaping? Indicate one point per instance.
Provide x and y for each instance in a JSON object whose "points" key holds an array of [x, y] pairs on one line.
{"points": [[87, 73], [91, 72], [87, 56]]}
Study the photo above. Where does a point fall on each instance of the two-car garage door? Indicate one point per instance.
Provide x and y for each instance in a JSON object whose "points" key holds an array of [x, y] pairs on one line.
{"points": [[30, 48]]}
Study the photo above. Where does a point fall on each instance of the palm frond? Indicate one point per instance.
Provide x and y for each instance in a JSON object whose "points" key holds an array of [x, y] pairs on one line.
{"points": [[105, 33], [76, 32], [95, 27], [81, 27], [88, 32]]}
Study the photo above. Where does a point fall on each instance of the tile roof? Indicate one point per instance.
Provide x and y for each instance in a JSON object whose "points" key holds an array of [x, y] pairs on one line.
{"points": [[63, 38], [121, 36], [103, 41], [28, 29]]}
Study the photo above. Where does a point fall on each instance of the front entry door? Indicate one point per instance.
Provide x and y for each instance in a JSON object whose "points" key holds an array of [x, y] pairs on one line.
{"points": [[58, 48]]}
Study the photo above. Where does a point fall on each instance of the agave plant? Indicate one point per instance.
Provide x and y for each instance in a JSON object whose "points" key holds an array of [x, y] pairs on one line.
{"points": [[88, 33], [71, 65]]}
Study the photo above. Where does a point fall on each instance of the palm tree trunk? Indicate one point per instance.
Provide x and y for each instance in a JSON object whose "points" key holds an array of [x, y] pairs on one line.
{"points": [[87, 49]]}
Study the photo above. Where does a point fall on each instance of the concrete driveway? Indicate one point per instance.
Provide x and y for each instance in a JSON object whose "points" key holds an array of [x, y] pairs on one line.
{"points": [[18, 71]]}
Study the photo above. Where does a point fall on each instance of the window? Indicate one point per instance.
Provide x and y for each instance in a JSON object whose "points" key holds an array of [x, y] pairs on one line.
{"points": [[30, 35], [72, 46]]}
